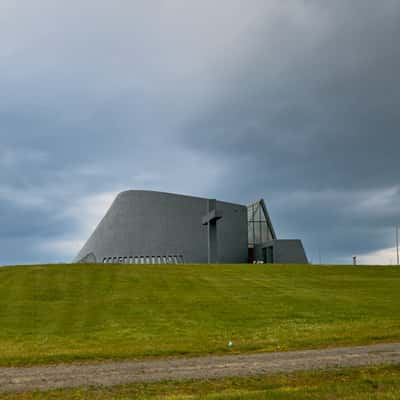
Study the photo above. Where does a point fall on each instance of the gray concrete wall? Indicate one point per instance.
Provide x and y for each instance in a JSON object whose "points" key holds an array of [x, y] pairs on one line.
{"points": [[286, 251], [147, 223]]}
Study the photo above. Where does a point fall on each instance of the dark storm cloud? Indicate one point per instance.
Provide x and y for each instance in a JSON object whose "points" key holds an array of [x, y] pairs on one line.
{"points": [[296, 102], [329, 107], [311, 120]]}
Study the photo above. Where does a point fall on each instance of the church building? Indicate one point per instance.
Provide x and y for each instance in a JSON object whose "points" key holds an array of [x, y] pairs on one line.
{"points": [[148, 227]]}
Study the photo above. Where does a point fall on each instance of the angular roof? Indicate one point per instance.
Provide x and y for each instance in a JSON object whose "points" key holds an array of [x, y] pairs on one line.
{"points": [[260, 227]]}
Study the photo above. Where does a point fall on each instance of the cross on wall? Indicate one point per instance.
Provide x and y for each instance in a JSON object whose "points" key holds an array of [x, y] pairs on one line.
{"points": [[210, 219]]}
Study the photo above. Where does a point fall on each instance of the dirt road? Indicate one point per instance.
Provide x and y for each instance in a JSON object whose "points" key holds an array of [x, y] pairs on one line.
{"points": [[114, 373]]}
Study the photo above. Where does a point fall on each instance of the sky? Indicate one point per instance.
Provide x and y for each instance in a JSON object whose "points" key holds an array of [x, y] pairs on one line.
{"points": [[297, 102]]}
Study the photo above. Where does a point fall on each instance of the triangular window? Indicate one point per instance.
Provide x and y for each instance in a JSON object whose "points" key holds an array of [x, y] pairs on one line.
{"points": [[260, 228]]}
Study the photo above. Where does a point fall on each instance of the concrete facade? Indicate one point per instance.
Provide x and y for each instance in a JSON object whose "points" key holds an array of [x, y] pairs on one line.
{"points": [[286, 251], [147, 227], [153, 227]]}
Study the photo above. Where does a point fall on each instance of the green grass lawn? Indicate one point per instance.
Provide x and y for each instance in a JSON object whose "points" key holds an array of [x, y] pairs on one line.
{"points": [[381, 383], [91, 312]]}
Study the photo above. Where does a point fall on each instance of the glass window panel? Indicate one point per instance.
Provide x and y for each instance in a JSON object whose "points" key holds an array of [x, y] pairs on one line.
{"points": [[263, 231], [262, 215], [258, 228], [257, 233], [251, 237]]}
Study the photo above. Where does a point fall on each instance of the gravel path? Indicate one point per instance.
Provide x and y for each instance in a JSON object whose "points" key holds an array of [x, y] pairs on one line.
{"points": [[115, 373]]}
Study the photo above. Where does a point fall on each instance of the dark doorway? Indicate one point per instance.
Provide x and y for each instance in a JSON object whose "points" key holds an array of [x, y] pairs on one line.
{"points": [[251, 255], [268, 254]]}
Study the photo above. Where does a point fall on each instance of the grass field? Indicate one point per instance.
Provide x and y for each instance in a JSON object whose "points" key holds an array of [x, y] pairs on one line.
{"points": [[92, 312], [381, 383]]}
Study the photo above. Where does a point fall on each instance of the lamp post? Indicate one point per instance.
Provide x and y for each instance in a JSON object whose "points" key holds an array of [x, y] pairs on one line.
{"points": [[397, 243]]}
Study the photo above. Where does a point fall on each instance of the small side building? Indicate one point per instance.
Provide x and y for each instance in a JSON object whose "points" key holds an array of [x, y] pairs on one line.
{"points": [[263, 244], [148, 227]]}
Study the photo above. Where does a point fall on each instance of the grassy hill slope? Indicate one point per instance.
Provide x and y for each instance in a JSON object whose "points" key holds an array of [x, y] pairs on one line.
{"points": [[86, 312]]}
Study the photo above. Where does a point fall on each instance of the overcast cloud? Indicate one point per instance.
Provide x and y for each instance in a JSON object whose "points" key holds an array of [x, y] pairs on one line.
{"points": [[296, 102]]}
